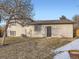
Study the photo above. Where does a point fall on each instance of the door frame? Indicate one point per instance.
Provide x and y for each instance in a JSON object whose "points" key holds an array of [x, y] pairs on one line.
{"points": [[48, 31]]}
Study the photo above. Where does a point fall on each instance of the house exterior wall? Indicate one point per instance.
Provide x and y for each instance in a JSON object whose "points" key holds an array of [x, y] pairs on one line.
{"points": [[60, 30], [18, 28], [30, 31], [57, 30]]}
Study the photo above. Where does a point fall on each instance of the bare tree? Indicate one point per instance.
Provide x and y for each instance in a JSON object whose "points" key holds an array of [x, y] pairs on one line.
{"points": [[76, 18], [11, 8]]}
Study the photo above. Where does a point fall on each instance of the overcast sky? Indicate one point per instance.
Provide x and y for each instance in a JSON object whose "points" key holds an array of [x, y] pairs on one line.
{"points": [[53, 9]]}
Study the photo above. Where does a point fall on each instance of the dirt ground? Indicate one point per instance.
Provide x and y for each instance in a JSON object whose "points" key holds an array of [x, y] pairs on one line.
{"points": [[31, 48]]}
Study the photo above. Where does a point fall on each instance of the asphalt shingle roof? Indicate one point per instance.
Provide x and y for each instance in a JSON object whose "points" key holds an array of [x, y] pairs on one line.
{"points": [[61, 21]]}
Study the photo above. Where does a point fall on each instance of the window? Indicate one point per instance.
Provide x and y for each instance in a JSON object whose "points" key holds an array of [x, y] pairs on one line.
{"points": [[13, 33], [37, 28]]}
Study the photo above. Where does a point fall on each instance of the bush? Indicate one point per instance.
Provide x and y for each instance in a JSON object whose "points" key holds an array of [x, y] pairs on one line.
{"points": [[23, 35]]}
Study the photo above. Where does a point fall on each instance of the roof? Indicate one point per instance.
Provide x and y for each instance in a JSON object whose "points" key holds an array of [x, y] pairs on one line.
{"points": [[61, 21], [46, 22]]}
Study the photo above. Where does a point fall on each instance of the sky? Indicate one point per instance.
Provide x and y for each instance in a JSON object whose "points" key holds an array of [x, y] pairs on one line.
{"points": [[53, 9]]}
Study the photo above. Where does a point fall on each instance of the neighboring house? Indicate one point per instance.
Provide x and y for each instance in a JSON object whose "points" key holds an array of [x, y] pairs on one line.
{"points": [[47, 28]]}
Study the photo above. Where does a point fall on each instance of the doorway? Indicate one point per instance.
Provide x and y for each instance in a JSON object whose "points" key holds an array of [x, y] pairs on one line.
{"points": [[49, 31]]}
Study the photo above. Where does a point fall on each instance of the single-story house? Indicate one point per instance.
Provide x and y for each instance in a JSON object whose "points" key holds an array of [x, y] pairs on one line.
{"points": [[63, 52], [43, 28]]}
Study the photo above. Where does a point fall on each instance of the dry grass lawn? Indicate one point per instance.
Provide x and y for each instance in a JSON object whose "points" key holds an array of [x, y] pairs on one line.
{"points": [[30, 48]]}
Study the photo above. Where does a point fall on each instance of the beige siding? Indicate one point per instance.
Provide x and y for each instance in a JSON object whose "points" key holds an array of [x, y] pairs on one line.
{"points": [[18, 28], [60, 30]]}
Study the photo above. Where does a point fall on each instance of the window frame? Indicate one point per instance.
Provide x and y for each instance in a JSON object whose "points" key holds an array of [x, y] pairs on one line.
{"points": [[37, 28], [12, 33]]}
